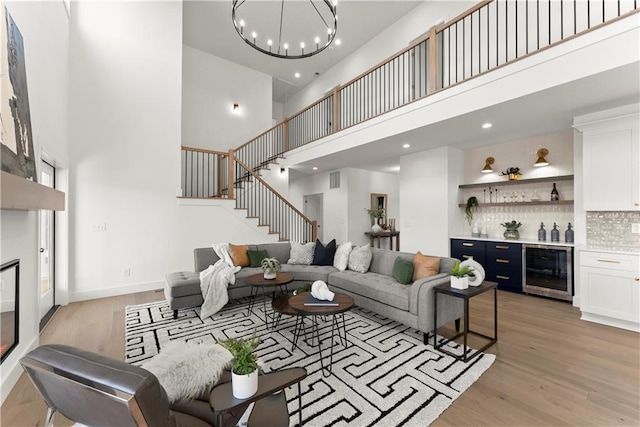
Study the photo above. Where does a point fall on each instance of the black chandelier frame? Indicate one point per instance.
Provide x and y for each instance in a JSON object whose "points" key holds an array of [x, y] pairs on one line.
{"points": [[277, 54]]}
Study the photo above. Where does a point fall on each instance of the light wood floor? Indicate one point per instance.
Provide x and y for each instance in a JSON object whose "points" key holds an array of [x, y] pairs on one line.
{"points": [[551, 368]]}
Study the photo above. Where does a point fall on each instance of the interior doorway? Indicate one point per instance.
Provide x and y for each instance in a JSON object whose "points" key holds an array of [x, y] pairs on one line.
{"points": [[313, 208], [47, 251]]}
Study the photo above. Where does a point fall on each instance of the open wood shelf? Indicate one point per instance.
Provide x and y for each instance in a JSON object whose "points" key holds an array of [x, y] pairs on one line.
{"points": [[18, 193], [519, 181], [535, 203]]}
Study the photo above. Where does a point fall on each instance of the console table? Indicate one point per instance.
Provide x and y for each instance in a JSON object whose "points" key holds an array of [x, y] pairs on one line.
{"points": [[384, 234]]}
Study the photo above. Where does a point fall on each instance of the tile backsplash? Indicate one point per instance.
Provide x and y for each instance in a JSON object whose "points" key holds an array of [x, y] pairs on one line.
{"points": [[612, 229]]}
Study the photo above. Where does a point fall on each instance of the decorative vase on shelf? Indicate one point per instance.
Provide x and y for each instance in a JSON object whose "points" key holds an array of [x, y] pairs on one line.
{"points": [[376, 228]]}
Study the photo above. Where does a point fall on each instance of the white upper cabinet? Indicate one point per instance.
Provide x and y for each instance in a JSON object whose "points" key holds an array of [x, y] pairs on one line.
{"points": [[611, 163]]}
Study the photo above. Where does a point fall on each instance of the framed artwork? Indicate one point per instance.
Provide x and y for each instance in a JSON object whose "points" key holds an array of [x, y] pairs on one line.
{"points": [[16, 139]]}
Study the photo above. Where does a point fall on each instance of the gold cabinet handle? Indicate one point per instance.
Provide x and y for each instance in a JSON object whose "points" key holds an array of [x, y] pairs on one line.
{"points": [[502, 247], [609, 261], [467, 244], [502, 277], [503, 261]]}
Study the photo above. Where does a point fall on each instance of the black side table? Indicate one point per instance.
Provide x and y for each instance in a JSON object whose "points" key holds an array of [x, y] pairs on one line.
{"points": [[466, 295]]}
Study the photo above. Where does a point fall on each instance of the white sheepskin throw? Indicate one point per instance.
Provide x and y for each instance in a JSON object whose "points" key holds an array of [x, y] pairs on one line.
{"points": [[188, 369]]}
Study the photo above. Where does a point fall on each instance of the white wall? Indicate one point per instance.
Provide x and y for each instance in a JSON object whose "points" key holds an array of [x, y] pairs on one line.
{"points": [[395, 38], [343, 208], [427, 199], [210, 87], [44, 28]]}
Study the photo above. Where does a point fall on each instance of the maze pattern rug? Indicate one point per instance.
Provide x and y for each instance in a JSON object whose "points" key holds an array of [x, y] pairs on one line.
{"points": [[385, 376]]}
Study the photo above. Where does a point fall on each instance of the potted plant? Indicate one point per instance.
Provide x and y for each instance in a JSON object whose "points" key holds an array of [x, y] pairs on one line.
{"points": [[511, 231], [471, 208], [513, 173], [244, 372], [460, 276], [377, 214], [270, 267]]}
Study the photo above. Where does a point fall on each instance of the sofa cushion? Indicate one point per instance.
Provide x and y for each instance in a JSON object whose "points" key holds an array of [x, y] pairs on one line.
{"points": [[403, 270], [182, 284], [301, 253], [279, 251], [203, 258], [323, 255], [309, 273], [239, 255], [425, 266], [360, 258], [378, 287], [256, 257], [341, 258], [382, 260]]}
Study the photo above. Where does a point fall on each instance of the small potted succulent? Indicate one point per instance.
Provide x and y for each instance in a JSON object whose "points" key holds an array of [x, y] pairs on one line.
{"points": [[244, 372], [513, 173], [460, 276], [511, 230], [270, 267]]}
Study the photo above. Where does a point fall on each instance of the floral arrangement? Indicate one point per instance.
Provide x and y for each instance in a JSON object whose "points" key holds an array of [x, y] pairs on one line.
{"points": [[376, 213]]}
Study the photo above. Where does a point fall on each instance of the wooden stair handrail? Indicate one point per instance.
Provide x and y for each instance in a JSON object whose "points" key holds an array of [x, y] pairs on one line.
{"points": [[262, 181], [203, 150]]}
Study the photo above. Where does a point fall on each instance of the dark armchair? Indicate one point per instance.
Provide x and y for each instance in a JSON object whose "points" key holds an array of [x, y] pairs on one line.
{"points": [[95, 390]]}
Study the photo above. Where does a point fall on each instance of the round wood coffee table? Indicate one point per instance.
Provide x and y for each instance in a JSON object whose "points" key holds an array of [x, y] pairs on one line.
{"points": [[345, 303], [260, 284]]}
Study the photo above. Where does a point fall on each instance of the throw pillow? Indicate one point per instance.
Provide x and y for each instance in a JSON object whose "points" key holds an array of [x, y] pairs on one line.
{"points": [[323, 255], [187, 369], [425, 266], [341, 258], [360, 258], [256, 257], [301, 253], [403, 270], [239, 255]]}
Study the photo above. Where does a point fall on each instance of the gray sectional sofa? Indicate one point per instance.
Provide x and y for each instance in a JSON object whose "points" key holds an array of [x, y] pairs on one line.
{"points": [[375, 290]]}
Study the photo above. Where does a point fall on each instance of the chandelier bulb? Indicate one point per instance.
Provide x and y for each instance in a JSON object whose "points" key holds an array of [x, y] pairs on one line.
{"points": [[241, 26]]}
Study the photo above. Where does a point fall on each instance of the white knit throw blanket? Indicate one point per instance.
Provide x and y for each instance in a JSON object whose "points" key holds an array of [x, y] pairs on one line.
{"points": [[213, 284]]}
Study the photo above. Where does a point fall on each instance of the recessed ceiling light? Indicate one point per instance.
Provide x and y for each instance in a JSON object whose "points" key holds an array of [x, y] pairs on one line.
{"points": [[486, 125], [315, 168], [406, 145], [297, 75]]}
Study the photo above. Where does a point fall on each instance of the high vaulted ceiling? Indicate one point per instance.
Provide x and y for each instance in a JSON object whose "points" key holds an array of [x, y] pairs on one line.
{"points": [[208, 27]]}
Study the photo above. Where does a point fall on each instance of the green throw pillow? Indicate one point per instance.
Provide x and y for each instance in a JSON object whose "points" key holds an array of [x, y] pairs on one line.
{"points": [[403, 270], [256, 257]]}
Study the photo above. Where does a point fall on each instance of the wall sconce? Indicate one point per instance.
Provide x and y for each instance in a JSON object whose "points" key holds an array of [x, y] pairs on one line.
{"points": [[541, 160], [236, 108], [487, 165], [282, 170]]}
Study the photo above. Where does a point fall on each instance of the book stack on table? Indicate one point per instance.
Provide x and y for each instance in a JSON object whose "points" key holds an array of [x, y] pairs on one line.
{"points": [[311, 301]]}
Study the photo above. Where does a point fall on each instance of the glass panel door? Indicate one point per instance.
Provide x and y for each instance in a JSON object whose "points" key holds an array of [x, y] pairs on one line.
{"points": [[46, 247]]}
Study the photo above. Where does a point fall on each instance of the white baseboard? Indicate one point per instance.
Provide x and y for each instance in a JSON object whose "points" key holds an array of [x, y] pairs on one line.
{"points": [[114, 291], [616, 323], [11, 368]]}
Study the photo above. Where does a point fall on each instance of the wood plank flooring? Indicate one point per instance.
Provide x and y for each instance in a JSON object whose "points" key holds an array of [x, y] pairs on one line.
{"points": [[551, 368]]}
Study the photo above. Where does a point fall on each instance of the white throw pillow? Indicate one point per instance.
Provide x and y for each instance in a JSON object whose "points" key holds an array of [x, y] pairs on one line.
{"points": [[341, 258], [187, 369], [360, 258], [301, 254]]}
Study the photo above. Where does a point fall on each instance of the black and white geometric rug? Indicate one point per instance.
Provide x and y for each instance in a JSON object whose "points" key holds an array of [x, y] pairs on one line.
{"points": [[385, 376]]}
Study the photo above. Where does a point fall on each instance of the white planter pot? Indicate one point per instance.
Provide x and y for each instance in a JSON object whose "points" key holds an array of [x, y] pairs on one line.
{"points": [[376, 228], [460, 282], [244, 386], [270, 275]]}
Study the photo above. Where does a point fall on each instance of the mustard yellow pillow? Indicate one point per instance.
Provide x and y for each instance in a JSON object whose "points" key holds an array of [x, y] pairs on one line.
{"points": [[239, 255], [425, 266]]}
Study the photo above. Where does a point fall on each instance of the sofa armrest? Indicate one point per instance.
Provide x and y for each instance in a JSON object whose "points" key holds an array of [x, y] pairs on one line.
{"points": [[449, 308]]}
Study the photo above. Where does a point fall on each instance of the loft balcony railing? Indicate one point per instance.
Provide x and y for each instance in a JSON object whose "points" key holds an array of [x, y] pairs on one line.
{"points": [[488, 36]]}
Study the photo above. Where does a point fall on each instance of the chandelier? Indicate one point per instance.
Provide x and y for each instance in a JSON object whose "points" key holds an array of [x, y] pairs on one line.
{"points": [[289, 29]]}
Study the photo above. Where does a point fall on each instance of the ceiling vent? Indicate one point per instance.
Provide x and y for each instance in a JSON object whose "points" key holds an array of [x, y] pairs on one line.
{"points": [[334, 179]]}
